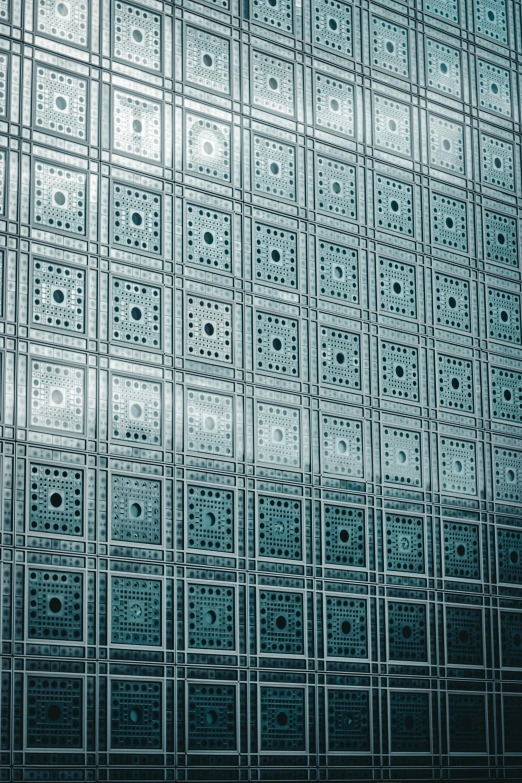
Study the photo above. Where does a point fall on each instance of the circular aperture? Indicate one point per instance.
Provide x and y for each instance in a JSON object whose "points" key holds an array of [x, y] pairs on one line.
{"points": [[394, 205], [136, 218], [135, 510], [281, 622], [208, 238], [397, 288], [56, 500], [332, 24], [507, 395], [457, 466], [57, 396], [137, 126], [58, 296], [275, 255], [513, 556], [282, 718], [390, 47], [455, 383], [208, 148], [60, 103], [510, 475], [209, 423], [443, 68], [207, 61], [209, 519], [209, 329], [273, 83], [62, 9], [211, 717], [137, 36], [277, 344], [274, 168], [504, 316], [342, 447], [136, 410], [498, 163], [336, 187], [408, 722], [452, 302], [461, 550], [406, 631], [59, 198], [54, 712], [55, 605], [392, 125], [344, 536], [277, 435], [501, 239], [135, 715], [136, 314], [334, 104], [209, 617], [463, 636], [449, 222], [401, 457], [346, 627], [399, 371], [339, 358]]}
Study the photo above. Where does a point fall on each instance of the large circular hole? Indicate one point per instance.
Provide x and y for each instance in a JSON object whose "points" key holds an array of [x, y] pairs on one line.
{"points": [[443, 68], [211, 717], [338, 272], [463, 636], [136, 410], [399, 371], [455, 383], [274, 168], [501, 239], [517, 640], [408, 722], [282, 718], [449, 222], [392, 125], [136, 313], [137, 126], [281, 622], [62, 9], [397, 288], [510, 475], [452, 302], [461, 550], [54, 712], [446, 144], [209, 329], [208, 238], [332, 24], [344, 536], [135, 715], [209, 519], [55, 605], [334, 104], [135, 510], [137, 36], [57, 396], [209, 617], [273, 83], [491, 16], [494, 88], [346, 627], [277, 435], [342, 447], [394, 205], [207, 61], [504, 316], [60, 103], [275, 255], [56, 500], [277, 344], [390, 47], [59, 198], [498, 163], [208, 148], [136, 218], [513, 556], [336, 187], [507, 395], [58, 296], [209, 423], [401, 457], [457, 466], [339, 358], [406, 631]]}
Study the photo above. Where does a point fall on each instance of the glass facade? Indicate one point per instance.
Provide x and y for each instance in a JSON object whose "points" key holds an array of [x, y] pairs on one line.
{"points": [[261, 390]]}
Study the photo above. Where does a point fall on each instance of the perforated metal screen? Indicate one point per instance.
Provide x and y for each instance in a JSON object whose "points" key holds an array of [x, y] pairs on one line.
{"points": [[261, 390]]}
